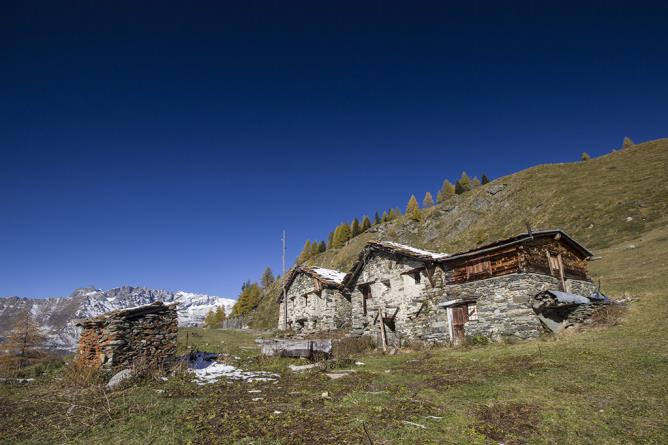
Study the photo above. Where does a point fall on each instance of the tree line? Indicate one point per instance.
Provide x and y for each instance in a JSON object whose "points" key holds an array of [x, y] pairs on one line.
{"points": [[249, 298], [344, 232]]}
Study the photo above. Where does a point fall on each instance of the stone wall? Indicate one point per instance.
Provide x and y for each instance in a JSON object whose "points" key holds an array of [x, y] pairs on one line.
{"points": [[142, 336], [504, 303], [413, 303], [313, 307]]}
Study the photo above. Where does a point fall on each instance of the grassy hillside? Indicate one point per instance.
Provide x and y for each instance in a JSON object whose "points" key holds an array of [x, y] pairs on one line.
{"points": [[602, 202]]}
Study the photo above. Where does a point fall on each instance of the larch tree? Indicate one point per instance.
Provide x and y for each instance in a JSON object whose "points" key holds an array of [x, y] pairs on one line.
{"points": [[215, 318], [342, 235], [428, 201], [485, 179], [248, 299], [315, 249], [330, 240], [476, 182], [355, 228], [305, 254], [386, 217], [366, 223], [627, 142], [268, 277], [23, 343], [376, 219], [322, 247], [412, 205], [447, 191], [585, 156], [465, 181]]}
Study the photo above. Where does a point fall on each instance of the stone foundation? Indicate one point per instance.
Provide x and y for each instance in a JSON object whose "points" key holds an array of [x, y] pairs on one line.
{"points": [[504, 303]]}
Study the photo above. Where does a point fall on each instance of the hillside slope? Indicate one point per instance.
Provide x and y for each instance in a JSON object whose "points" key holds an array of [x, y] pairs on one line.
{"points": [[603, 202]]}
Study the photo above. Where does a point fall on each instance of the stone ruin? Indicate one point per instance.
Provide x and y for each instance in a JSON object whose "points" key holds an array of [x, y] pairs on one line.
{"points": [[127, 338]]}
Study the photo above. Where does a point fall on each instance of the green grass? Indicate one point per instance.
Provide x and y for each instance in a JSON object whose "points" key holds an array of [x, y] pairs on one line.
{"points": [[604, 385]]}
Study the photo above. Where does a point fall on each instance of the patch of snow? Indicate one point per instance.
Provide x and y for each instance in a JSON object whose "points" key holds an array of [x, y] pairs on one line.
{"points": [[207, 370], [329, 274], [434, 255]]}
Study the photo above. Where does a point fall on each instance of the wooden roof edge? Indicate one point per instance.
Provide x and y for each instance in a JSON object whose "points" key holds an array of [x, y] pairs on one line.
{"points": [[518, 239]]}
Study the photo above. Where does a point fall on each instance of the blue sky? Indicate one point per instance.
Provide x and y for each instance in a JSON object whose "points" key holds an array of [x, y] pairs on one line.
{"points": [[168, 144]]}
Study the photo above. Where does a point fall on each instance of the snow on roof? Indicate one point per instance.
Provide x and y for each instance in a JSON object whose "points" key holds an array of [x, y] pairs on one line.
{"points": [[329, 274], [414, 250], [565, 297]]}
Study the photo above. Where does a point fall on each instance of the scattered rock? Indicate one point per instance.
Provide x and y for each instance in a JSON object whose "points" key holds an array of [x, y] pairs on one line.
{"points": [[631, 246], [257, 399], [300, 368], [119, 378], [325, 395], [337, 375], [496, 188], [629, 218], [414, 424], [360, 363]]}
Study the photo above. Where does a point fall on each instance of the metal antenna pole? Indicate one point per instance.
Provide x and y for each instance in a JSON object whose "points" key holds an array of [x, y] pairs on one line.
{"points": [[285, 297]]}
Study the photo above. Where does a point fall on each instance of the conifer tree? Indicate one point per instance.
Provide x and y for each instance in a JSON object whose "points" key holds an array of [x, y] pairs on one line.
{"points": [[386, 217], [355, 228], [427, 201], [465, 181], [366, 223], [397, 212], [23, 344], [215, 318], [485, 179], [447, 190], [322, 247], [305, 254], [376, 219], [585, 156], [459, 188], [476, 182], [627, 142], [390, 215], [248, 299], [412, 205], [330, 240], [342, 235], [267, 277], [415, 215], [315, 249]]}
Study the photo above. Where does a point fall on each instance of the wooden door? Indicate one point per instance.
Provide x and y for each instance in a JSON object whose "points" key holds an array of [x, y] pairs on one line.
{"points": [[460, 315]]}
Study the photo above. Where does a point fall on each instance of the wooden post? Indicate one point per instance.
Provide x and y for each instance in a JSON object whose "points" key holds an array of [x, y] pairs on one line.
{"points": [[383, 338], [285, 293], [561, 273]]}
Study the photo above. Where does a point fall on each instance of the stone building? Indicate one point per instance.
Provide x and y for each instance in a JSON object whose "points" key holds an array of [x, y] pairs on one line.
{"points": [[316, 301], [394, 290], [139, 336], [489, 290]]}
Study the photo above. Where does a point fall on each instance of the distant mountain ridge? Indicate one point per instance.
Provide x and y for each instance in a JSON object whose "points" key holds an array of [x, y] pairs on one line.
{"points": [[57, 315]]}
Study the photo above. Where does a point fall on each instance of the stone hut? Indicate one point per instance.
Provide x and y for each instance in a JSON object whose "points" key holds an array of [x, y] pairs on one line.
{"points": [[394, 290], [139, 336], [489, 290], [316, 301]]}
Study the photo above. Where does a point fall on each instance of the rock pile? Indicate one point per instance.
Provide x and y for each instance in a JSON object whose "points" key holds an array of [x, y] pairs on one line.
{"points": [[139, 336]]}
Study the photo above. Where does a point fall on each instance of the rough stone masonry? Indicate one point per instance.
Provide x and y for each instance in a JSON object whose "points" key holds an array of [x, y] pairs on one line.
{"points": [[139, 336]]}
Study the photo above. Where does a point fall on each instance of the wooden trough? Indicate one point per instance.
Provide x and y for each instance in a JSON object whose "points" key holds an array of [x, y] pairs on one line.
{"points": [[294, 348]]}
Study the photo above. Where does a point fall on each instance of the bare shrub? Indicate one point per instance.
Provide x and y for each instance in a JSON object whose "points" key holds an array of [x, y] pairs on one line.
{"points": [[349, 346], [510, 423], [82, 376], [608, 315]]}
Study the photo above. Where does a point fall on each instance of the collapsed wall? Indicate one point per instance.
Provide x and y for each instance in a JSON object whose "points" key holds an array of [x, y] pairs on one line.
{"points": [[140, 336]]}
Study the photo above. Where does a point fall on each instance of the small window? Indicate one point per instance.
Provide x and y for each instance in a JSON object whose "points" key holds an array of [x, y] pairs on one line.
{"points": [[473, 311], [417, 277], [366, 295], [305, 300]]}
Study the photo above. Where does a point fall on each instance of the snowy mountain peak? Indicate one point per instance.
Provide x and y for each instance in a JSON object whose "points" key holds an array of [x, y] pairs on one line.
{"points": [[57, 315]]}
